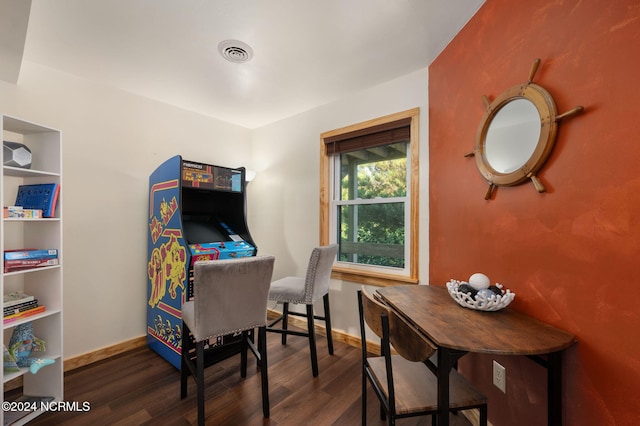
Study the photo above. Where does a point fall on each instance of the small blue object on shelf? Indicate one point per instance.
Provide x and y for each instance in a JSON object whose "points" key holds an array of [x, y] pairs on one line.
{"points": [[42, 196]]}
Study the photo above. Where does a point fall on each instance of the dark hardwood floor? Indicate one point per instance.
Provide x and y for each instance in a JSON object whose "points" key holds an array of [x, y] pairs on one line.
{"points": [[141, 388]]}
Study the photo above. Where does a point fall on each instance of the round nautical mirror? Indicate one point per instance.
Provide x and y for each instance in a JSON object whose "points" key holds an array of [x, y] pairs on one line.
{"points": [[516, 135], [512, 136]]}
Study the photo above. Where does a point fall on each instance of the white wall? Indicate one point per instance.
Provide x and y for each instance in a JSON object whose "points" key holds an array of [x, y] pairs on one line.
{"points": [[284, 197], [112, 141]]}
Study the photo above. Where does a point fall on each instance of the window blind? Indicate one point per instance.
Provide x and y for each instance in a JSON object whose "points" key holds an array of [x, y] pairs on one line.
{"points": [[382, 134]]}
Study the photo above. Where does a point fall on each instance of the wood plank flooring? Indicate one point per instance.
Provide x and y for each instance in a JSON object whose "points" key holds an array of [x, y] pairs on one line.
{"points": [[141, 388]]}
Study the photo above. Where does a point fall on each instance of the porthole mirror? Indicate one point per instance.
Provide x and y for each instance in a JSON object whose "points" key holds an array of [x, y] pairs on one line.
{"points": [[516, 135]]}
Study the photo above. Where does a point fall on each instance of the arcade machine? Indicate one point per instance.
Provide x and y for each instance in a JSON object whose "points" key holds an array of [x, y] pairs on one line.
{"points": [[196, 212]]}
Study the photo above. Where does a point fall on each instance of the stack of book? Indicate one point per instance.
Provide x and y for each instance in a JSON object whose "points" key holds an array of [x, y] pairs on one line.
{"points": [[19, 305], [18, 212], [18, 260]]}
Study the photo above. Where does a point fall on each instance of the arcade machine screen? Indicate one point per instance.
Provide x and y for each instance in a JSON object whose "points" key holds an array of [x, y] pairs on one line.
{"points": [[202, 232], [213, 214]]}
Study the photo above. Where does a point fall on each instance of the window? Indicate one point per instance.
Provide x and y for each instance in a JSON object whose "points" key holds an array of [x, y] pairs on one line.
{"points": [[369, 199]]}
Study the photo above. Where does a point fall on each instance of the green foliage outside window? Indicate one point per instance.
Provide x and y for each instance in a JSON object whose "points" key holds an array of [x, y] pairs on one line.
{"points": [[373, 233]]}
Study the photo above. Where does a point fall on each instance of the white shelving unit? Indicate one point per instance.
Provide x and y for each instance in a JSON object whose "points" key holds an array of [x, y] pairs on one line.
{"points": [[44, 283]]}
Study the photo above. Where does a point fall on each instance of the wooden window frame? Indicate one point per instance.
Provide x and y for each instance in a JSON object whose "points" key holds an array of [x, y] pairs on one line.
{"points": [[356, 273]]}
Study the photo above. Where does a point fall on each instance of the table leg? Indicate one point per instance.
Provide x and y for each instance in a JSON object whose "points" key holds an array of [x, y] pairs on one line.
{"points": [[447, 359], [554, 388], [445, 363]]}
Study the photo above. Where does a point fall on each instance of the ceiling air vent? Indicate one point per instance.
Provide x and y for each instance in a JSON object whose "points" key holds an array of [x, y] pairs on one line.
{"points": [[235, 51]]}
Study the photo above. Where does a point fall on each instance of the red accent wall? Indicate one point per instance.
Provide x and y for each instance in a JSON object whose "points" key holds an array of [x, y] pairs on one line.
{"points": [[571, 255]]}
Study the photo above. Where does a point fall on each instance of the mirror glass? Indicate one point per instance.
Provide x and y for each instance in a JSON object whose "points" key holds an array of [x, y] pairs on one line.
{"points": [[512, 136]]}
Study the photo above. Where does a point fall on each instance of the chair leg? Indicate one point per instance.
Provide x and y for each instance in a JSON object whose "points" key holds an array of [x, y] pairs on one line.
{"points": [[262, 349], [364, 397], [187, 369], [312, 340], [184, 369], [285, 321], [243, 354], [327, 322], [200, 380]]}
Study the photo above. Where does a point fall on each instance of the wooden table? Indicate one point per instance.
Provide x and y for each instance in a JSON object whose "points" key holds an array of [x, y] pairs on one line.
{"points": [[456, 331]]}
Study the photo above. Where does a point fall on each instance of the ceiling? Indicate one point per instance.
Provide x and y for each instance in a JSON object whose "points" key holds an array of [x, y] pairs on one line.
{"points": [[306, 52]]}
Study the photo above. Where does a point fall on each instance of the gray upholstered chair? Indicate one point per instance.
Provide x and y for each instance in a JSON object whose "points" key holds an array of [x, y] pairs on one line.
{"points": [[406, 384], [229, 296], [306, 290]]}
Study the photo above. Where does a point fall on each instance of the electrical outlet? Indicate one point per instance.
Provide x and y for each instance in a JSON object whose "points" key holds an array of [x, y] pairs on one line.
{"points": [[499, 377]]}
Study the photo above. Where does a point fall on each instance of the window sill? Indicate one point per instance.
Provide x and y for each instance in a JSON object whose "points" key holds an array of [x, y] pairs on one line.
{"points": [[370, 278]]}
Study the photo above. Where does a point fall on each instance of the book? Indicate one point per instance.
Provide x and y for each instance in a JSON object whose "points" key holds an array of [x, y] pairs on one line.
{"points": [[21, 315], [41, 196], [19, 212], [20, 307], [16, 298], [20, 265], [30, 254]]}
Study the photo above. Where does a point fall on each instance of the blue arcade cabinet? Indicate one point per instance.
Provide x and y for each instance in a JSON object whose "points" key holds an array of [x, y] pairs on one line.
{"points": [[197, 212]]}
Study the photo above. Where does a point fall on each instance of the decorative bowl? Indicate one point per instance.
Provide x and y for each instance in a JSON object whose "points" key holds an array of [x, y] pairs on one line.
{"points": [[483, 300]]}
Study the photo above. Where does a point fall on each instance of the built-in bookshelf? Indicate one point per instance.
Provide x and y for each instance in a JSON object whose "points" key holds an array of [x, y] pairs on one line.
{"points": [[43, 282]]}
